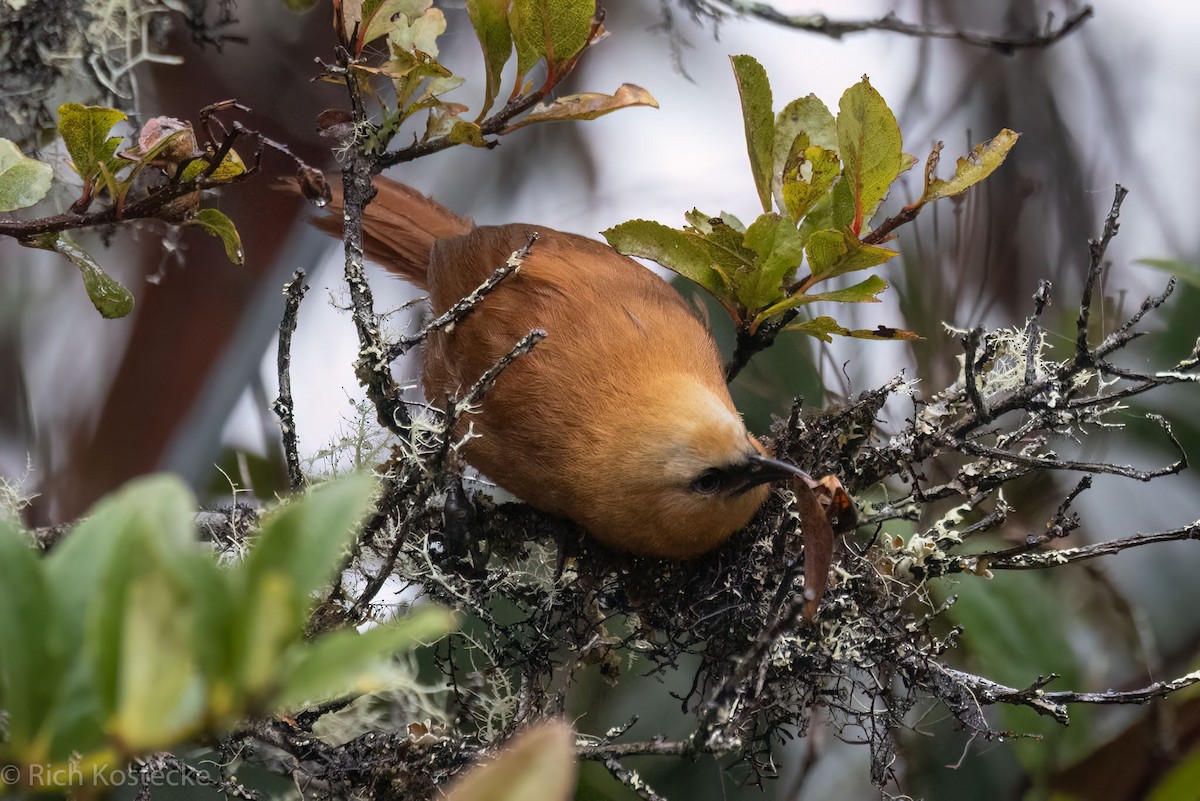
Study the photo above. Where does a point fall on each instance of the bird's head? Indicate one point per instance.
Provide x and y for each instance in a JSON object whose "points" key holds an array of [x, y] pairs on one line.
{"points": [[691, 475]]}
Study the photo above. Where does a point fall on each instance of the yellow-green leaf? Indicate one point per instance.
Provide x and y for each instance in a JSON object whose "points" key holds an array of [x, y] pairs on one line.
{"points": [[808, 117], [981, 162], [466, 133], [107, 294], [85, 130], [806, 177], [555, 29], [870, 148], [675, 250], [587, 106], [490, 20], [230, 167], [160, 695], [832, 253], [759, 120], [217, 224], [23, 181]]}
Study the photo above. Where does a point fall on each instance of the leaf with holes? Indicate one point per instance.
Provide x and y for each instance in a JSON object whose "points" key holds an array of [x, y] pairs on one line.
{"points": [[981, 162]]}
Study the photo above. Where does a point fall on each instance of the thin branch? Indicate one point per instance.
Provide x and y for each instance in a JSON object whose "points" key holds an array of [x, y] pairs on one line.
{"points": [[464, 306], [1054, 704], [1033, 330], [1096, 249], [1039, 561], [284, 406], [1054, 463], [630, 778], [836, 29], [149, 207], [970, 344]]}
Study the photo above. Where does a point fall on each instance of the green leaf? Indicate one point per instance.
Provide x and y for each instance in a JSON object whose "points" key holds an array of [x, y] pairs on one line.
{"points": [[776, 243], [870, 147], [299, 6], [160, 696], [215, 223], [33, 658], [344, 661], [1186, 271], [755, 91], [820, 327], [490, 19], [297, 551], [587, 106], [808, 117], [833, 253], [85, 130], [23, 181], [145, 528], [676, 250], [807, 177], [842, 204], [865, 291], [555, 29], [540, 763], [80, 568], [981, 162], [272, 620], [107, 294], [162, 506]]}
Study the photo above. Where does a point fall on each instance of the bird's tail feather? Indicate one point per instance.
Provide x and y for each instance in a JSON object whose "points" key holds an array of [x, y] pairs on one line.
{"points": [[399, 228]]}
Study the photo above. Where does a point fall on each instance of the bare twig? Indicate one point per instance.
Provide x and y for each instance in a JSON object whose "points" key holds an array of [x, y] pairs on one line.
{"points": [[1038, 561], [284, 406], [836, 29], [1096, 249], [466, 305]]}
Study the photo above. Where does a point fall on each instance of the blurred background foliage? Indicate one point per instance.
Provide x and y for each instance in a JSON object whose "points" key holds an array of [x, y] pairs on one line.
{"points": [[184, 383]]}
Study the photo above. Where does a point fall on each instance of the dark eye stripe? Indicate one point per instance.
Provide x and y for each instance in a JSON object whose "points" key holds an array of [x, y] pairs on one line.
{"points": [[709, 482]]}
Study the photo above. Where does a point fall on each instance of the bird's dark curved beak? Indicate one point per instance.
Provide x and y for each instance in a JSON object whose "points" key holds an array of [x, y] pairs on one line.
{"points": [[761, 469]]}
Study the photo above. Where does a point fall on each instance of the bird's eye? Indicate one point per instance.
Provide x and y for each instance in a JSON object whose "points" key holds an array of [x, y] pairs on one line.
{"points": [[709, 482]]}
